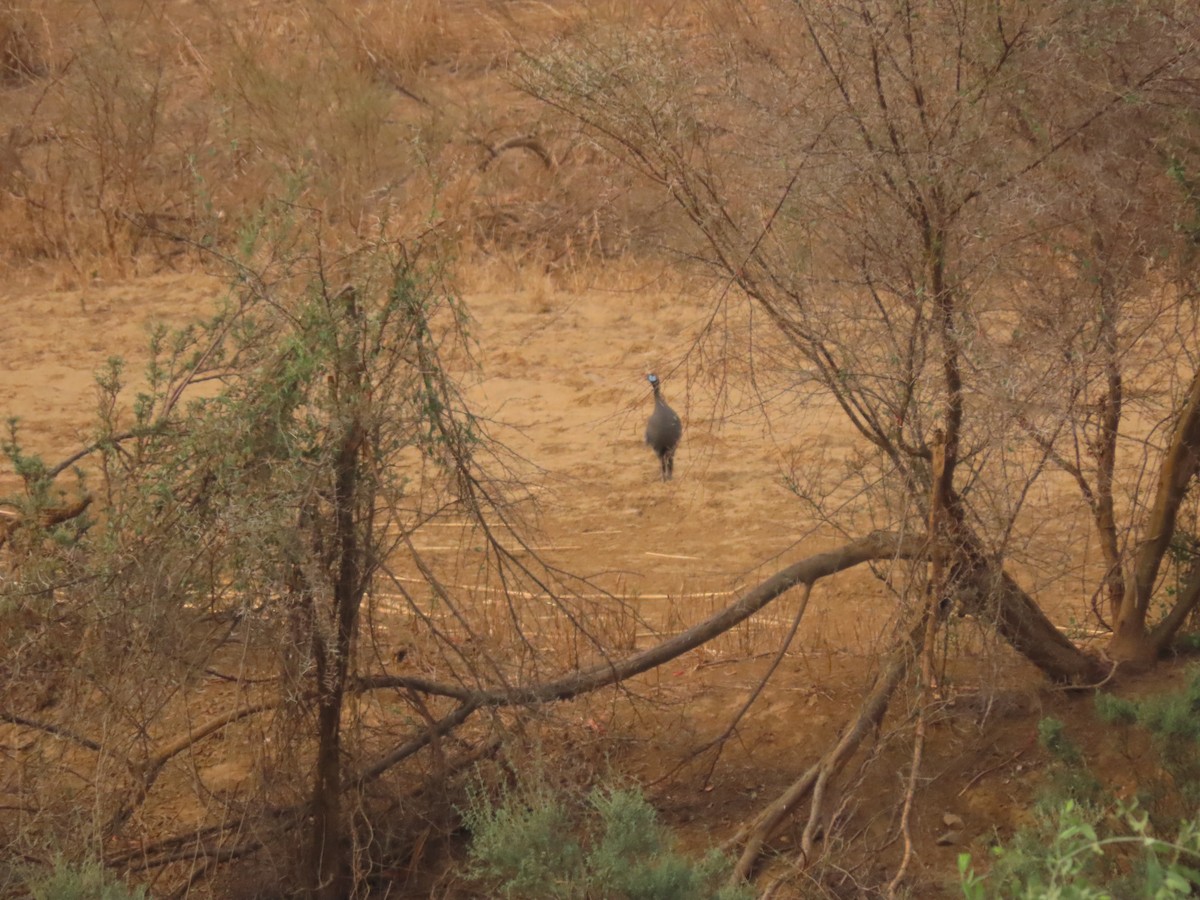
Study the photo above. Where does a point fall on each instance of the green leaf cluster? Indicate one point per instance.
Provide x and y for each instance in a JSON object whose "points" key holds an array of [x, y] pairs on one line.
{"points": [[1087, 845], [539, 843], [85, 881]]}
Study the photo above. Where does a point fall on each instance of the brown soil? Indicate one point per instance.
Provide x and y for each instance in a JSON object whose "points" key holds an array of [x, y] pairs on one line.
{"points": [[561, 375]]}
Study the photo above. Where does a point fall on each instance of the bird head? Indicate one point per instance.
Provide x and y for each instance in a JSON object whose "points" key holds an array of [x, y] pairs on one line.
{"points": [[653, 379]]}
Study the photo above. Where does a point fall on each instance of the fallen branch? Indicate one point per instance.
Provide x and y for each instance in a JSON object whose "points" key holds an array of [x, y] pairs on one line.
{"points": [[520, 142], [434, 732], [815, 781], [198, 847], [146, 771], [50, 728], [876, 546]]}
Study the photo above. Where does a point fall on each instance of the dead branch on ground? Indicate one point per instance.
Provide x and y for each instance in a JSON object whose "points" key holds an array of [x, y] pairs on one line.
{"points": [[815, 782], [876, 546], [520, 142]]}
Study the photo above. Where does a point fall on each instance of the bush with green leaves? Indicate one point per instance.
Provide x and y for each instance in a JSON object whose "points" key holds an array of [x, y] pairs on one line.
{"points": [[1085, 843], [1173, 723], [535, 842], [1074, 854], [86, 881]]}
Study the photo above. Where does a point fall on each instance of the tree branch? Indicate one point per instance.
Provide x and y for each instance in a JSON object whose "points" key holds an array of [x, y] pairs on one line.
{"points": [[876, 546]]}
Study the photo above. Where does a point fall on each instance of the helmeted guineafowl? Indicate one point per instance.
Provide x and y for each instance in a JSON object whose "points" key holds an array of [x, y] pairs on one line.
{"points": [[663, 430]]}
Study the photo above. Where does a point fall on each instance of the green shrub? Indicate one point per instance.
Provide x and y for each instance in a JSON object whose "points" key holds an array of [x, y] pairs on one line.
{"points": [[1116, 710], [1173, 723], [524, 843], [1080, 855], [86, 881], [1085, 844], [537, 843]]}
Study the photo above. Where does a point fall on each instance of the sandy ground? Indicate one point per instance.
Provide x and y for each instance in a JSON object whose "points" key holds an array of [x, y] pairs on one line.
{"points": [[562, 379], [54, 341]]}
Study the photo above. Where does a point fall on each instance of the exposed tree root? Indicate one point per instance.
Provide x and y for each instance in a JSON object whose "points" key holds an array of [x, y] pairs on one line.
{"points": [[910, 791], [935, 590], [815, 782], [209, 847], [50, 728], [520, 142]]}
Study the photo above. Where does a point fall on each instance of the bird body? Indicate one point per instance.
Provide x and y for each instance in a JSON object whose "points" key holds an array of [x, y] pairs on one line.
{"points": [[664, 430]]}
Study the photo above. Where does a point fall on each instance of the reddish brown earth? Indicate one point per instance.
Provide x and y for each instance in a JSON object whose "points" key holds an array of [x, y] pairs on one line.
{"points": [[561, 376]]}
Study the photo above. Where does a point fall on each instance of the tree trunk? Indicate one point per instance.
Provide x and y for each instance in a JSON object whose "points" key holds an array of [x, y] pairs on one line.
{"points": [[982, 585], [349, 569], [1131, 642], [329, 851], [987, 592], [1111, 406]]}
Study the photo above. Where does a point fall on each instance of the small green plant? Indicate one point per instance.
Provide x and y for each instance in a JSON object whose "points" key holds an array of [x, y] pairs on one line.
{"points": [[539, 843], [84, 881], [1173, 722], [1052, 736], [524, 842], [1071, 857], [1086, 844], [1069, 779]]}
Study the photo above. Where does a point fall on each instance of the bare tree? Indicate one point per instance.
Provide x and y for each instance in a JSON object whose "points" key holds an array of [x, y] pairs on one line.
{"points": [[927, 204], [884, 181], [952, 219], [1108, 294], [279, 460]]}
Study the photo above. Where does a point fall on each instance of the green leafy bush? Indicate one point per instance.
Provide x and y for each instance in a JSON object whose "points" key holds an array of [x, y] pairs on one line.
{"points": [[1079, 855], [1173, 723], [86, 881], [1085, 843], [537, 843]]}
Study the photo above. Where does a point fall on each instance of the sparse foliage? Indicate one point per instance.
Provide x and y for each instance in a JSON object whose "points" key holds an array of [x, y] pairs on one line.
{"points": [[1086, 843], [88, 881], [960, 224], [968, 227], [279, 455], [537, 842]]}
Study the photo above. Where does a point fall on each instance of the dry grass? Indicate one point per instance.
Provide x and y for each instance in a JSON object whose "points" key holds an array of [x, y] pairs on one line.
{"points": [[137, 133], [22, 44], [137, 138]]}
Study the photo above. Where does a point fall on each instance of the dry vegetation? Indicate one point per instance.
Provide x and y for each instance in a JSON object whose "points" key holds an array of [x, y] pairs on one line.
{"points": [[368, 518], [136, 133]]}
